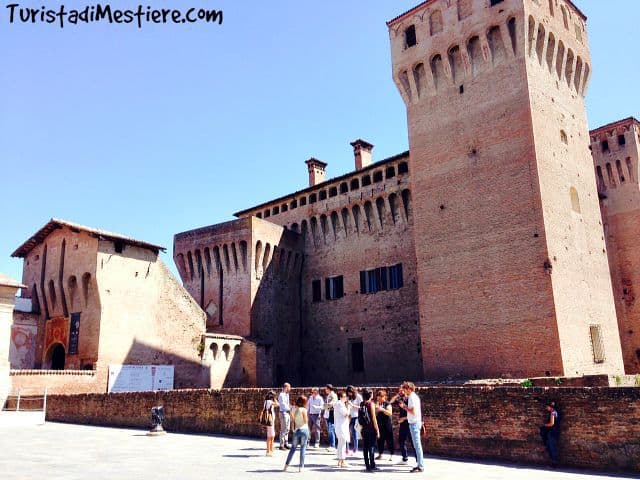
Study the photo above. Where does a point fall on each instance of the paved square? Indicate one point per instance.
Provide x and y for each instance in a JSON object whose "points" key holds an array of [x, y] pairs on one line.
{"points": [[70, 452]]}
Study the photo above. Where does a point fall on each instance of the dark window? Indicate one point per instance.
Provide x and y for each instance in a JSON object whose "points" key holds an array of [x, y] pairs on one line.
{"points": [[390, 172], [344, 188], [355, 184], [357, 355], [403, 167], [267, 213], [316, 288], [334, 288], [496, 2], [276, 210], [410, 36], [366, 180], [303, 201], [323, 194], [284, 208], [605, 145], [312, 198], [621, 140], [294, 204], [333, 191], [377, 176], [381, 279], [119, 246], [259, 214]]}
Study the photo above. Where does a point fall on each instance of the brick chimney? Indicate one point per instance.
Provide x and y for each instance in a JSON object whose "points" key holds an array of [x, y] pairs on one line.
{"points": [[316, 171], [362, 152]]}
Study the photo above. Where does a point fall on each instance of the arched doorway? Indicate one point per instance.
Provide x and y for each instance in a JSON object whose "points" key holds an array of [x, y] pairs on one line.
{"points": [[56, 357]]}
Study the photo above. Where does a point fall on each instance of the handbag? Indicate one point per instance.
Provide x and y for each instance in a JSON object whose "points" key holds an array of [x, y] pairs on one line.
{"points": [[266, 416]]}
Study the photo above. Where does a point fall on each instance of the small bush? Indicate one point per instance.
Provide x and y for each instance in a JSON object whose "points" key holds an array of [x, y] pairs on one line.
{"points": [[526, 383]]}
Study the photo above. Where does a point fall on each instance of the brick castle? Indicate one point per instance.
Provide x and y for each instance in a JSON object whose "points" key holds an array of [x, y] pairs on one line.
{"points": [[492, 248]]}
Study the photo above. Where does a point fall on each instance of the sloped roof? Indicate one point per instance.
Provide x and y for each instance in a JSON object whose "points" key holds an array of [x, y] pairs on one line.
{"points": [[54, 224], [6, 281]]}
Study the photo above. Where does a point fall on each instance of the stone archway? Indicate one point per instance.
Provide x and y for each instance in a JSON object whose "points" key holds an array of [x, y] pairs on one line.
{"points": [[56, 357]]}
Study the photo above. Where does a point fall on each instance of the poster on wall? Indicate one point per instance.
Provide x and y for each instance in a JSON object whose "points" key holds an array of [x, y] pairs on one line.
{"points": [[74, 333], [140, 378], [22, 350]]}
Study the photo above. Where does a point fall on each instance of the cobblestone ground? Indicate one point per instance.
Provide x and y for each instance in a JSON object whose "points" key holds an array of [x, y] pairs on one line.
{"points": [[69, 452]]}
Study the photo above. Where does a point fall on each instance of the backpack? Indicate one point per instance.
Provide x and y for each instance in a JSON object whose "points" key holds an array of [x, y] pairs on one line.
{"points": [[364, 415], [266, 416]]}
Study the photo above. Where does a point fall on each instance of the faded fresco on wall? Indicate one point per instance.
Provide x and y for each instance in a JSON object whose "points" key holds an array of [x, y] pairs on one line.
{"points": [[56, 331], [22, 350]]}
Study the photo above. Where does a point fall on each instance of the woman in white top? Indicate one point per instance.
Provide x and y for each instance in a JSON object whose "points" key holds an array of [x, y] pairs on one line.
{"points": [[300, 421], [341, 415]]}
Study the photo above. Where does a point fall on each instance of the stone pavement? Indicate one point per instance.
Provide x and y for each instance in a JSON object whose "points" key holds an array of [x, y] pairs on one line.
{"points": [[57, 451]]}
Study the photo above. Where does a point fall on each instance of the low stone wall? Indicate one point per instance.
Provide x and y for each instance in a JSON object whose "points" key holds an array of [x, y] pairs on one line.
{"points": [[600, 426], [62, 382]]}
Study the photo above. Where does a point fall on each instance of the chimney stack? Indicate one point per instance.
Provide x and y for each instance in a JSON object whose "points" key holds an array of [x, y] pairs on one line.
{"points": [[362, 153], [316, 171]]}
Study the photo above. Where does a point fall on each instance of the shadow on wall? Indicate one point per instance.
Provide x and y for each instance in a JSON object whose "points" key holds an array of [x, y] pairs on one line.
{"points": [[188, 372]]}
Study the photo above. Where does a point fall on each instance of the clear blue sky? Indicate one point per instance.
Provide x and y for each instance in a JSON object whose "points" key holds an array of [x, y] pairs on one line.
{"points": [[155, 131]]}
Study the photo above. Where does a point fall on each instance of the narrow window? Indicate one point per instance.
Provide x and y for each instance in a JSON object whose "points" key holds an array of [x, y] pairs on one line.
{"points": [[259, 214], [316, 288], [294, 204], [597, 346], [366, 180], [621, 140], [284, 208], [511, 25], [356, 359], [323, 195], [333, 191], [344, 188], [403, 168], [410, 38], [334, 288], [118, 246], [267, 213], [303, 201], [605, 146], [620, 172], [313, 198], [602, 186], [612, 181], [419, 76], [377, 176], [276, 210], [355, 184]]}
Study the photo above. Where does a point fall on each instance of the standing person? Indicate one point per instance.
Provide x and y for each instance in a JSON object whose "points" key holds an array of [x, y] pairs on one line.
{"points": [[329, 403], [356, 399], [384, 416], [316, 407], [370, 429], [268, 409], [550, 432], [403, 425], [414, 417], [300, 421], [284, 408], [342, 414]]}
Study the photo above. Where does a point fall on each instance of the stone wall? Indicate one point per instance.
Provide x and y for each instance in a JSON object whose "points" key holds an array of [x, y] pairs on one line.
{"points": [[600, 426], [57, 382]]}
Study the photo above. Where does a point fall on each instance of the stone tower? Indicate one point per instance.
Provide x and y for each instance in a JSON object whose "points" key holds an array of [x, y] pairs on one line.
{"points": [[616, 152], [512, 265]]}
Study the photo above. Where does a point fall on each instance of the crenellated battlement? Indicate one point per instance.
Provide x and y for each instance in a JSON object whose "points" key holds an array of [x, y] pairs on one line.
{"points": [[441, 45]]}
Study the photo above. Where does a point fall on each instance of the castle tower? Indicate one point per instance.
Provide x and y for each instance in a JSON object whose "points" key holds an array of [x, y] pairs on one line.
{"points": [[616, 152], [513, 274]]}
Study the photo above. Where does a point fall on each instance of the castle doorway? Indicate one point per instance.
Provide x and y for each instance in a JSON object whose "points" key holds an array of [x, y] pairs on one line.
{"points": [[56, 357]]}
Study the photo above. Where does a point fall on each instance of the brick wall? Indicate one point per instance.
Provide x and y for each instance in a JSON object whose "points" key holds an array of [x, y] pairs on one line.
{"points": [[600, 426]]}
